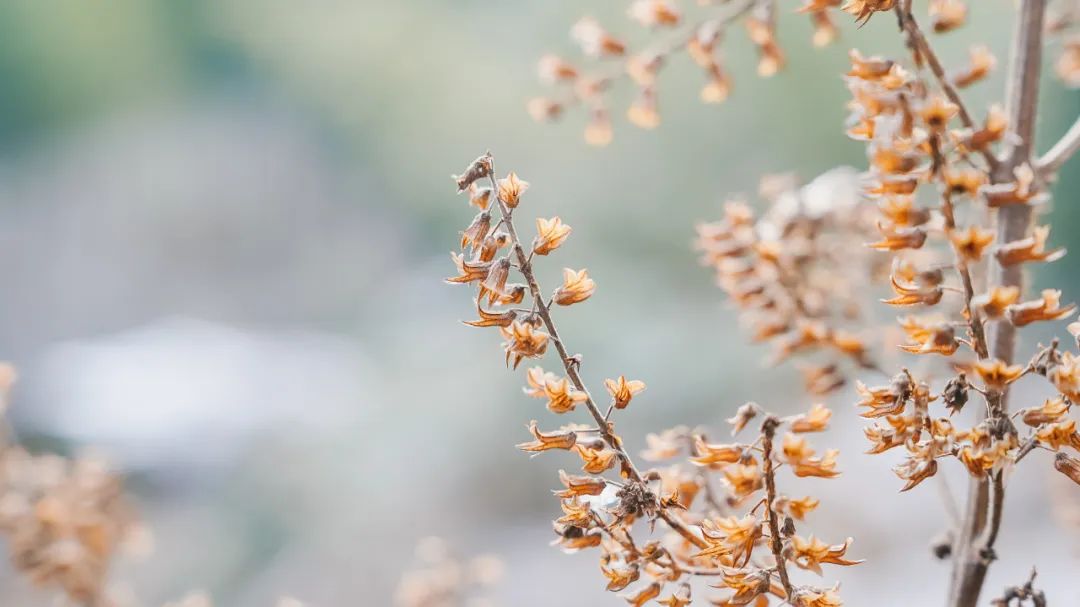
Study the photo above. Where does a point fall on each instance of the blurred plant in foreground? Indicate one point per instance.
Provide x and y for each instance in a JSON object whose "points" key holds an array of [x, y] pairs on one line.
{"points": [[64, 519], [440, 579]]}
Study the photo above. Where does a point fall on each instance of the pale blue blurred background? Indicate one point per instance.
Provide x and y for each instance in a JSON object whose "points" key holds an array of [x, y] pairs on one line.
{"points": [[223, 231]]}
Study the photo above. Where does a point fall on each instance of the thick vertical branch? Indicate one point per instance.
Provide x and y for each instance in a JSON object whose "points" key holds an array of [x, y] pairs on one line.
{"points": [[982, 521]]}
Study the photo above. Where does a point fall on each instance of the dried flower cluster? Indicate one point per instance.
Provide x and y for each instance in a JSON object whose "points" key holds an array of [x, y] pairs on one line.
{"points": [[798, 272], [64, 520], [699, 36], [946, 218], [957, 205], [67, 520], [720, 503], [440, 579]]}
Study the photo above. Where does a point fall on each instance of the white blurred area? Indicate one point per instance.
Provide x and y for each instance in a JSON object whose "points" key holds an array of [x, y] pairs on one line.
{"points": [[188, 392], [223, 260]]}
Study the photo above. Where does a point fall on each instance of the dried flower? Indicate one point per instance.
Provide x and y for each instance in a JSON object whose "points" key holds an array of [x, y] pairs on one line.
{"points": [[622, 391], [551, 234], [576, 287], [1069, 466], [1048, 307], [511, 188], [559, 439]]}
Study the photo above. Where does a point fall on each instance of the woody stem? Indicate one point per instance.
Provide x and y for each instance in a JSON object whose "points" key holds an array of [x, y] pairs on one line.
{"points": [[570, 365], [1065, 148], [776, 545], [983, 519], [920, 47]]}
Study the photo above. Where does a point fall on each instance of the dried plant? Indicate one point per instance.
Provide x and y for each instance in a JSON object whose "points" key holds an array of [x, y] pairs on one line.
{"points": [[441, 579], [719, 503], [64, 520], [946, 215]]}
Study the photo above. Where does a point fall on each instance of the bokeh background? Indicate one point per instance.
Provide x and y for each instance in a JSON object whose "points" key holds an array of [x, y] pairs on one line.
{"points": [[224, 226]]}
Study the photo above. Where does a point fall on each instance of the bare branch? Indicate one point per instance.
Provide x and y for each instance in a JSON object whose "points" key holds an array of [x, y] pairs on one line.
{"points": [[973, 556], [1050, 162]]}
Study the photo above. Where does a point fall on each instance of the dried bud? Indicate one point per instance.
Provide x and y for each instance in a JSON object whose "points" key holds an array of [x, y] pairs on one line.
{"points": [[1069, 466], [955, 394], [576, 287], [480, 168], [511, 188], [742, 417], [551, 234]]}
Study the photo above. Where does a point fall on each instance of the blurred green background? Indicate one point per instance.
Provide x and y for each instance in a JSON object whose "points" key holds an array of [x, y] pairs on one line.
{"points": [[224, 227]]}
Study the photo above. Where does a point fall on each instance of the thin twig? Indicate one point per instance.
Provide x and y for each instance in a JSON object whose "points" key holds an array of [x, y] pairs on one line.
{"points": [[918, 43], [663, 48], [1050, 162], [776, 545]]}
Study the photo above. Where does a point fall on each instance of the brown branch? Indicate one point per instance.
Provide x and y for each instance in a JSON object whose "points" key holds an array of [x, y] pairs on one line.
{"points": [[663, 48], [1050, 162], [570, 364], [973, 560], [975, 323], [1020, 593], [776, 545], [920, 46]]}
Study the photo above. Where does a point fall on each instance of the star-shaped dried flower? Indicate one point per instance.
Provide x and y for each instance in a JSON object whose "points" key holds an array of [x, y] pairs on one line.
{"points": [[1048, 307], [1066, 376], [559, 439], [1030, 249], [815, 420], [1058, 435], [551, 234], [708, 454], [980, 63], [994, 303], [895, 238], [935, 338], [971, 243], [596, 461], [681, 597], [620, 577], [947, 15], [468, 270], [1052, 410], [623, 390], [643, 595], [511, 188], [996, 374], [651, 13], [819, 597], [937, 112], [552, 68], [580, 485], [731, 536], [523, 340], [964, 182], [915, 470], [811, 553], [576, 287], [594, 40], [798, 454], [908, 294]]}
